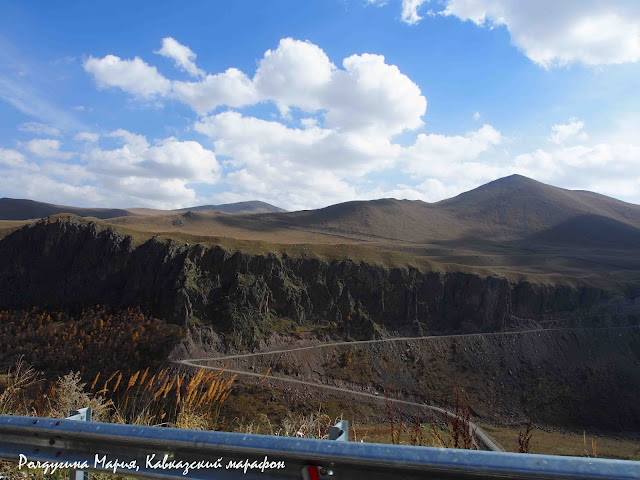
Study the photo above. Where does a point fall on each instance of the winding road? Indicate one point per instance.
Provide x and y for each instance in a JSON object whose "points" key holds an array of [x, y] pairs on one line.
{"points": [[485, 439]]}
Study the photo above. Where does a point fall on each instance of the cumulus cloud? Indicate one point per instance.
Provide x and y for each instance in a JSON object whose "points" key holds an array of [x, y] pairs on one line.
{"points": [[294, 167], [159, 173], [168, 160], [182, 56], [46, 148], [287, 164], [367, 94], [231, 88], [562, 132], [296, 73], [587, 31], [410, 11], [445, 156], [46, 188], [371, 95], [86, 137], [347, 116], [39, 129], [584, 164], [250, 140], [132, 76]]}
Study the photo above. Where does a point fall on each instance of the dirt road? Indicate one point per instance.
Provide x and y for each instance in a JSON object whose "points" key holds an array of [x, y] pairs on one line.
{"points": [[480, 435]]}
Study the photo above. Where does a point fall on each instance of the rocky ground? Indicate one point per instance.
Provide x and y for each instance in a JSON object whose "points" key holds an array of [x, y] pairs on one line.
{"points": [[579, 379]]}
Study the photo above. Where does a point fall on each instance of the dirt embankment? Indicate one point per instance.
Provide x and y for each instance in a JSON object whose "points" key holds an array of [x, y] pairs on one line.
{"points": [[580, 379]]}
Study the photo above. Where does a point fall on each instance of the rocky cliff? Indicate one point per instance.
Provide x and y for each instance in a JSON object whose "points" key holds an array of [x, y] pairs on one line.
{"points": [[65, 261]]}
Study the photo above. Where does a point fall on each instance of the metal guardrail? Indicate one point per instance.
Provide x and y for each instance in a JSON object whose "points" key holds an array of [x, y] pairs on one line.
{"points": [[167, 453]]}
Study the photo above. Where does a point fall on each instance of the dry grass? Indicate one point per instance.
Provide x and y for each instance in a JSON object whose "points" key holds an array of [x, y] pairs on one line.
{"points": [[458, 432], [19, 380], [579, 444], [170, 399], [312, 425], [524, 437]]}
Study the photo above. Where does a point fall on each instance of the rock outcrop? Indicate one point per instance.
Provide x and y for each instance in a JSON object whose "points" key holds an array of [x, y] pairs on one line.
{"points": [[65, 261]]}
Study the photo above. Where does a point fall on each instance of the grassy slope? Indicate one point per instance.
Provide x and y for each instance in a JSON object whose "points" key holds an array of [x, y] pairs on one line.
{"points": [[514, 227]]}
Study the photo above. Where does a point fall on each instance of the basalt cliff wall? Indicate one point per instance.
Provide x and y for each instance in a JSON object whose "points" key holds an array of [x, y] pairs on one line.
{"points": [[68, 262]]}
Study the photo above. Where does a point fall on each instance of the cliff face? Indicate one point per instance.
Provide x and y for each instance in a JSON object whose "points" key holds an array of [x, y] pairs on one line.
{"points": [[70, 262]]}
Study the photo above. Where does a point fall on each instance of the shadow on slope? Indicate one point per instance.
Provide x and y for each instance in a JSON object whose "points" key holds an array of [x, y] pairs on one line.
{"points": [[590, 230], [18, 209]]}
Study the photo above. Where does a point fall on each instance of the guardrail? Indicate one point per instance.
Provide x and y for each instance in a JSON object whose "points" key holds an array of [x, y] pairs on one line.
{"points": [[168, 453]]}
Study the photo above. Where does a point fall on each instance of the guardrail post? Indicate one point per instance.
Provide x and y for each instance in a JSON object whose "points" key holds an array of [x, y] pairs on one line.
{"points": [[339, 431], [82, 415]]}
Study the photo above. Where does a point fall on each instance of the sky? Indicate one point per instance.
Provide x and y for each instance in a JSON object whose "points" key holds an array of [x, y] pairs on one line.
{"points": [[308, 104]]}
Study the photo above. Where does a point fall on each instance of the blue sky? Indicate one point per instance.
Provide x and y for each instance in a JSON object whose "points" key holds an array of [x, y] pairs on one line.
{"points": [[305, 104]]}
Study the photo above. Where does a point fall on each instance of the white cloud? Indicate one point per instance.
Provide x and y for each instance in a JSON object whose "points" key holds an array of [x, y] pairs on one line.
{"points": [[370, 95], [608, 168], [309, 122], [45, 188], [157, 174], [296, 168], [14, 159], [132, 141], [582, 164], [326, 165], [132, 76], [410, 11], [182, 56], [348, 114], [433, 190], [87, 137], [159, 193], [588, 31], [294, 74], [232, 88], [366, 95], [168, 160], [253, 141], [562, 132], [46, 148], [445, 156], [39, 129]]}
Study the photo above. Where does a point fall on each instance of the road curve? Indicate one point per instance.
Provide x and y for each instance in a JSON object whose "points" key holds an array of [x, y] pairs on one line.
{"points": [[486, 440], [490, 443]]}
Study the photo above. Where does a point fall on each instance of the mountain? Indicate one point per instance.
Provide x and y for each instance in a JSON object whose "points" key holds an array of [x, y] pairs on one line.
{"points": [[237, 208], [19, 209], [513, 208], [519, 207]]}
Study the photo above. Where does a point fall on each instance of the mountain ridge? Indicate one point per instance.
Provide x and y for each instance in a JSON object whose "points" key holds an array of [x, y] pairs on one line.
{"points": [[506, 210], [26, 209]]}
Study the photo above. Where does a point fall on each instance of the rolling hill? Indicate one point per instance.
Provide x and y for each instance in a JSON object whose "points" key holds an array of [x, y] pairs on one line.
{"points": [[21, 209], [511, 212], [507, 210]]}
